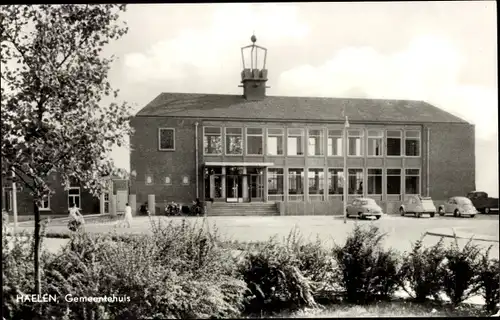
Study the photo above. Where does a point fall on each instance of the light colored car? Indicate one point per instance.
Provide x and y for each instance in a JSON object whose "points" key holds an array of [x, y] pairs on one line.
{"points": [[418, 206], [458, 206], [364, 207]]}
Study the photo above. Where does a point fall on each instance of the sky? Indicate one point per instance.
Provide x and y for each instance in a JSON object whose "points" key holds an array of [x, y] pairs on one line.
{"points": [[444, 53]]}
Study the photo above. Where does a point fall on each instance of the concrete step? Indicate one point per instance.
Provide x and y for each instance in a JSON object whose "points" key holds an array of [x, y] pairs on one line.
{"points": [[243, 209]]}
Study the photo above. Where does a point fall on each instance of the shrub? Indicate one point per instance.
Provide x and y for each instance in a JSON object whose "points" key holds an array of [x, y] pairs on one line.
{"points": [[489, 281], [178, 272], [460, 276], [366, 271], [274, 279], [421, 272]]}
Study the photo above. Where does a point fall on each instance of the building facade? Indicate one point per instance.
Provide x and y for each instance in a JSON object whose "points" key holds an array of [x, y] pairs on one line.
{"points": [[289, 150], [60, 200]]}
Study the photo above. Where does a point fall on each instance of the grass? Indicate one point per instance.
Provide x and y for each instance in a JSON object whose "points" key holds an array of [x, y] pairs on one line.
{"points": [[395, 308]]}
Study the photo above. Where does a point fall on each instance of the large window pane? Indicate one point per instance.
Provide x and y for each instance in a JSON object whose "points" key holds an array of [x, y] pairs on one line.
{"points": [[295, 144], [255, 141], [394, 181], [295, 181], [275, 142], [335, 181], [212, 140], [393, 143], [375, 181], [316, 140], [412, 181], [234, 141], [412, 143], [275, 181], [316, 179], [375, 142], [334, 143], [355, 182], [355, 142]]}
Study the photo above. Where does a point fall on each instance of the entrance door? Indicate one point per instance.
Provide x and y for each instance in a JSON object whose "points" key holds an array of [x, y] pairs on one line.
{"points": [[234, 188], [121, 200], [256, 188]]}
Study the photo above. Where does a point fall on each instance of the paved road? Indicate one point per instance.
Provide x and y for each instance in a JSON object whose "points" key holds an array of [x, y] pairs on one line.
{"points": [[401, 231]]}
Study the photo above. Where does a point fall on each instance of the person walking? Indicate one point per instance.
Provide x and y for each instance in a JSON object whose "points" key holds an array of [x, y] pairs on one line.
{"points": [[127, 219]]}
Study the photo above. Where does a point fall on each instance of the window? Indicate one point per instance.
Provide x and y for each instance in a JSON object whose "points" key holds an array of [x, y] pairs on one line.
{"points": [[212, 141], [316, 140], [74, 197], [296, 184], [335, 143], [234, 141], [355, 182], [185, 180], [375, 181], [393, 143], [255, 139], [275, 181], [149, 179], [335, 181], [168, 180], [106, 202], [412, 181], [295, 142], [355, 142], [412, 143], [375, 143], [316, 180], [394, 181], [275, 142], [45, 203], [166, 139]]}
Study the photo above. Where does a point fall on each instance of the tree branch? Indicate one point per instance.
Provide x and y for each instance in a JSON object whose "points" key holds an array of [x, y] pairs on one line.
{"points": [[24, 181]]}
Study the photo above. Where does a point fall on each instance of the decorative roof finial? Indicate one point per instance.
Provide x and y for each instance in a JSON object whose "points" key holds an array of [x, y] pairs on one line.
{"points": [[253, 38]]}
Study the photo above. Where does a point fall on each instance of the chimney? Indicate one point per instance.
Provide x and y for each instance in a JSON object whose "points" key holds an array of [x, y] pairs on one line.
{"points": [[254, 75]]}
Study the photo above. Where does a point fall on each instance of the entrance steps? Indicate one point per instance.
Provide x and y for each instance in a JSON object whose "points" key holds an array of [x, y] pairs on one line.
{"points": [[243, 209]]}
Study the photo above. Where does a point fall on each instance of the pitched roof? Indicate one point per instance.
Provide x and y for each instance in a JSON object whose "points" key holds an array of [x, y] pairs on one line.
{"points": [[294, 108]]}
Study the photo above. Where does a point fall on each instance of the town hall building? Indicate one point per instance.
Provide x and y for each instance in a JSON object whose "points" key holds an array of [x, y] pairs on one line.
{"points": [[287, 152]]}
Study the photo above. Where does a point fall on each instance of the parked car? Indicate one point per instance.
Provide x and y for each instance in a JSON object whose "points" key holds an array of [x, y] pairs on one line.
{"points": [[418, 206], [364, 207], [459, 206], [482, 202]]}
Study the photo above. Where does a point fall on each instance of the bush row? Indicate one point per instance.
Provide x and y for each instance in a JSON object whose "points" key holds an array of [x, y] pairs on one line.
{"points": [[185, 271]]}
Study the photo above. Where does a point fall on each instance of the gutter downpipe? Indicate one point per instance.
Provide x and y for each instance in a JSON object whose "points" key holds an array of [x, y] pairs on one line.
{"points": [[428, 158], [196, 160]]}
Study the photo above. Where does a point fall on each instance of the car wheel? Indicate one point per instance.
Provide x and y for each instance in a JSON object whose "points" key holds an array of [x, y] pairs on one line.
{"points": [[418, 214], [402, 212], [378, 217], [487, 210], [456, 213], [472, 215], [432, 214], [441, 212], [360, 216]]}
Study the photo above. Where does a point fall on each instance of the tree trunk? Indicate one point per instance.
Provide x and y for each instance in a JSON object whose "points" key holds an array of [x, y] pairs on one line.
{"points": [[37, 248]]}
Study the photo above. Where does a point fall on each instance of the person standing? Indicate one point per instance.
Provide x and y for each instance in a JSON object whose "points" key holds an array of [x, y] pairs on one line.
{"points": [[75, 218]]}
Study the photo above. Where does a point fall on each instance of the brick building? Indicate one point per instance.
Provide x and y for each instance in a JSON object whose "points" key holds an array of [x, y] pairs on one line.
{"points": [[58, 203], [288, 150]]}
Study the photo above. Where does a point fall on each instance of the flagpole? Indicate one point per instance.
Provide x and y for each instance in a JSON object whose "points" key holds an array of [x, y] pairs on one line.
{"points": [[346, 125]]}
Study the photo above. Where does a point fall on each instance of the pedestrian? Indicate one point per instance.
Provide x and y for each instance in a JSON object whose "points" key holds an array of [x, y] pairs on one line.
{"points": [[75, 218], [127, 218]]}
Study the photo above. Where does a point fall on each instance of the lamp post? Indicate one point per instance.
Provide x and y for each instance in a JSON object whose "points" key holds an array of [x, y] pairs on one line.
{"points": [[346, 125]]}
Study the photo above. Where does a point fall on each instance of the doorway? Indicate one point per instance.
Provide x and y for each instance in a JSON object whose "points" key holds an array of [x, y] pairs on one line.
{"points": [[234, 188], [256, 188]]}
